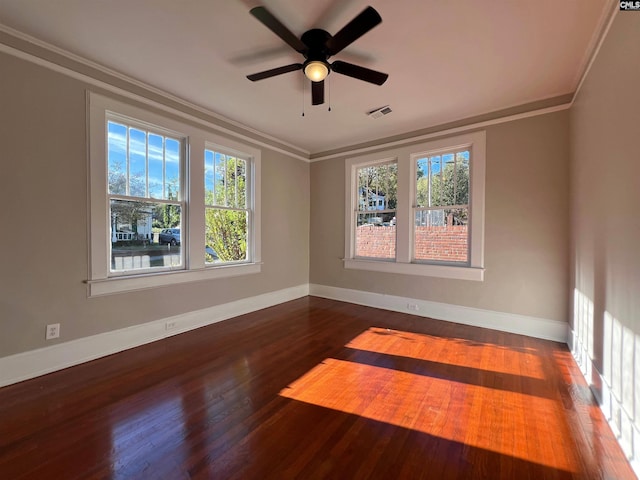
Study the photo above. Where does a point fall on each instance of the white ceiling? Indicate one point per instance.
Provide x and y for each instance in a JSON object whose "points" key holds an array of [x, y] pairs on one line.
{"points": [[447, 60]]}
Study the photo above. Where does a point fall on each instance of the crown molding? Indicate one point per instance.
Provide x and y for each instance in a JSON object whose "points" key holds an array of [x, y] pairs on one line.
{"points": [[440, 133], [595, 44], [253, 136]]}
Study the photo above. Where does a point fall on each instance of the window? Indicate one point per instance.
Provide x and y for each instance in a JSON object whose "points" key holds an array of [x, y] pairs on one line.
{"points": [[226, 211], [144, 195], [441, 211], [418, 209], [170, 203], [375, 238]]}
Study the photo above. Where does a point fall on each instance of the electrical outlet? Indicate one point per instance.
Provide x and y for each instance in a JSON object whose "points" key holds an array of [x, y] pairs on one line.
{"points": [[170, 325], [413, 306], [53, 331]]}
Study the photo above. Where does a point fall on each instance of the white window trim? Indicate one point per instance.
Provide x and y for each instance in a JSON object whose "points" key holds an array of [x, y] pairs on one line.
{"points": [[406, 157], [99, 281], [111, 116], [250, 179]]}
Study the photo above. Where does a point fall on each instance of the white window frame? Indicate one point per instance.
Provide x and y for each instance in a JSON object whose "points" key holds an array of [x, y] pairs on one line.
{"points": [[220, 148], [182, 201], [407, 156], [354, 213], [100, 281]]}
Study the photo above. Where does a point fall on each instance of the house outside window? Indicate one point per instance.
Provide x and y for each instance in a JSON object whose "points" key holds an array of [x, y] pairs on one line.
{"points": [[426, 217], [155, 217]]}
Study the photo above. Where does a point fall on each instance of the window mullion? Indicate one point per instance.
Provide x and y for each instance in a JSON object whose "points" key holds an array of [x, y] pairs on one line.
{"points": [[404, 202], [213, 199], [226, 179], [128, 161], [194, 202], [235, 178], [146, 165], [164, 168], [455, 177]]}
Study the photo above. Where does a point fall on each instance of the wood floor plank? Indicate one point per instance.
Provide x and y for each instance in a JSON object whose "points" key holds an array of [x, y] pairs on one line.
{"points": [[314, 388]]}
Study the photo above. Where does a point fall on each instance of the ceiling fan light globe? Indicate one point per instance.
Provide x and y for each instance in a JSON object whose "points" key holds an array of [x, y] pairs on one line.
{"points": [[316, 71]]}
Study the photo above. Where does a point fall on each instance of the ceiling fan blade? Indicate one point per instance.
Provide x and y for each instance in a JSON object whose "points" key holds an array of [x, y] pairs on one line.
{"points": [[361, 73], [317, 93], [353, 30], [273, 24], [274, 71]]}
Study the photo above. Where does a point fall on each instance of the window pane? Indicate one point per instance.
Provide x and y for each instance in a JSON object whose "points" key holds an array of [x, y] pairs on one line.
{"points": [[145, 235], [462, 178], [422, 183], [172, 169], [442, 235], [435, 181], [156, 165], [376, 235], [225, 235], [137, 163], [117, 158], [377, 187], [225, 180], [232, 182], [220, 167], [443, 180], [208, 177], [142, 164], [241, 175]]}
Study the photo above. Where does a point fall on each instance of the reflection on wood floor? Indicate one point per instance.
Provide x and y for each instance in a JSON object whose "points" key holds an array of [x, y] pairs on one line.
{"points": [[314, 388]]}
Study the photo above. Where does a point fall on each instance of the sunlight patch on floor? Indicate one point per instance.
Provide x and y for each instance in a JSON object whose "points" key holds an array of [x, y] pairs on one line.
{"points": [[441, 408], [429, 347]]}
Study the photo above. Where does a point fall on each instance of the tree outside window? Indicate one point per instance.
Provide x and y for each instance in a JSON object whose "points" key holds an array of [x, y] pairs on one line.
{"points": [[226, 212]]}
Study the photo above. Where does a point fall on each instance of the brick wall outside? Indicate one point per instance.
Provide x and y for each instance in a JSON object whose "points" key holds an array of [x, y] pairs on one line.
{"points": [[449, 244], [432, 243], [376, 241]]}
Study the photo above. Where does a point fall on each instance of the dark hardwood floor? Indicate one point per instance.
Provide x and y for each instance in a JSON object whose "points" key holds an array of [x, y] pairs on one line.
{"points": [[314, 388]]}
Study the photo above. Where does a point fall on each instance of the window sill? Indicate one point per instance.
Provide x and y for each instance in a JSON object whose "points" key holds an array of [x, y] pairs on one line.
{"points": [[441, 271], [113, 285]]}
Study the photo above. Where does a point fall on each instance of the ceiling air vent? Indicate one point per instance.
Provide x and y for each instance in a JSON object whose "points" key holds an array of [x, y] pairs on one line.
{"points": [[380, 112]]}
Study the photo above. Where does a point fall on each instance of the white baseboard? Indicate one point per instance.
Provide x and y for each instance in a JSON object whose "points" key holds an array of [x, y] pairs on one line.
{"points": [[506, 322], [23, 366], [621, 423]]}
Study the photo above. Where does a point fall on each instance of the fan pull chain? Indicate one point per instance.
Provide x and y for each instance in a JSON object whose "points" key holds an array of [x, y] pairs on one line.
{"points": [[329, 92], [303, 82]]}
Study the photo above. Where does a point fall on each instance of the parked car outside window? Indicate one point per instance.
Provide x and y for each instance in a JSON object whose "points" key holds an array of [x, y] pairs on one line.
{"points": [[169, 236]]}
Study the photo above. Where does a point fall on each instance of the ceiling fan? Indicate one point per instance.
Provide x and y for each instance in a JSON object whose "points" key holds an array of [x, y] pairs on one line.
{"points": [[317, 46]]}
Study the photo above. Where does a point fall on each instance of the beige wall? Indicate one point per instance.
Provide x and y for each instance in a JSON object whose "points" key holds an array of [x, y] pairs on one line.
{"points": [[43, 197], [605, 203], [527, 227]]}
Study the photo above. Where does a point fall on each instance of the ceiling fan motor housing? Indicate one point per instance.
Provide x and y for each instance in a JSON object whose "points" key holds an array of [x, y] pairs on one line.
{"points": [[316, 42]]}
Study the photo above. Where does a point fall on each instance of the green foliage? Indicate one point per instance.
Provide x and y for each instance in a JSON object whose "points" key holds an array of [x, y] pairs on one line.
{"points": [[166, 215], [446, 188], [226, 233]]}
